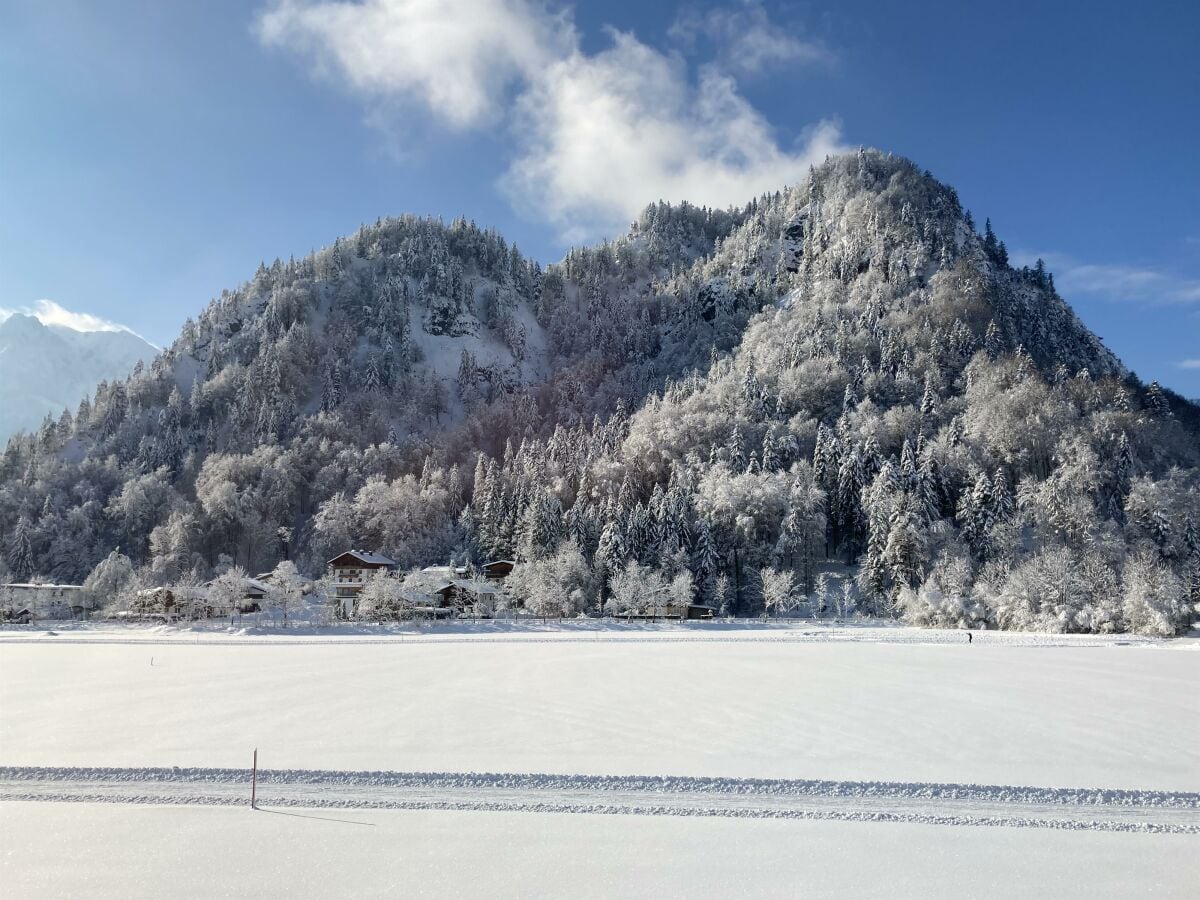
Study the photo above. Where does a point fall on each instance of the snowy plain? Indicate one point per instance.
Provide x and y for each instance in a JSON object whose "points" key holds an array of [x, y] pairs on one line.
{"points": [[918, 720], [68, 850]]}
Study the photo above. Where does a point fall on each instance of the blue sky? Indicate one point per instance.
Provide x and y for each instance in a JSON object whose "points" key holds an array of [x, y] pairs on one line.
{"points": [[152, 153]]}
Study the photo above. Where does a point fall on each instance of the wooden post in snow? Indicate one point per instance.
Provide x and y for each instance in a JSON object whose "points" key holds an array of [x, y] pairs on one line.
{"points": [[254, 782]]}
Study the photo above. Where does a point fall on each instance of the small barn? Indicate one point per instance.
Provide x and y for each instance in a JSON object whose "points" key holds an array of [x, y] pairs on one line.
{"points": [[22, 616]]}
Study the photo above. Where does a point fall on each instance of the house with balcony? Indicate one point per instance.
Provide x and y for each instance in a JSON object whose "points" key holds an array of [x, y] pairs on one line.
{"points": [[350, 573]]}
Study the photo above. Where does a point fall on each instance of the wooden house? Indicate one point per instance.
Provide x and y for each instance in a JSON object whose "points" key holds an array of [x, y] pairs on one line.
{"points": [[351, 571], [498, 569]]}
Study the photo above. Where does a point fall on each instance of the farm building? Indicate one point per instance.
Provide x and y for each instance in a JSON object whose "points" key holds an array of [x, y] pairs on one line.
{"points": [[47, 601]]}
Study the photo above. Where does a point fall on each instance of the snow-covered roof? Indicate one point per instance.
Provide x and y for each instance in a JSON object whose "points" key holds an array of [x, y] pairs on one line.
{"points": [[365, 556], [444, 571], [472, 586], [194, 592]]}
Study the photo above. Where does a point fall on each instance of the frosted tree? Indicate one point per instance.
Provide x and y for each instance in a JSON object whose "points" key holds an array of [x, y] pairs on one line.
{"points": [[802, 533], [945, 598], [384, 597], [736, 449], [541, 527], [287, 589], [326, 605], [705, 560], [818, 600], [109, 577], [1153, 597], [778, 591], [611, 552], [228, 590], [636, 587], [20, 551], [682, 591], [847, 601], [722, 595], [904, 553], [558, 585]]}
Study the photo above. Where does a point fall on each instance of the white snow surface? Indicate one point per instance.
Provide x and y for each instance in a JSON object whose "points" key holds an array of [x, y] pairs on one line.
{"points": [[706, 759], [786, 702], [56, 850]]}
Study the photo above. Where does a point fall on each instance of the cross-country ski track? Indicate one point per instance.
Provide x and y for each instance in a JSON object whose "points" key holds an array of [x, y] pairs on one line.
{"points": [[871, 801]]}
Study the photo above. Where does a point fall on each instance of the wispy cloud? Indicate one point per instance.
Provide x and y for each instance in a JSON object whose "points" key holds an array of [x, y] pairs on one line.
{"points": [[745, 38], [594, 137], [50, 313], [1188, 364], [1137, 284]]}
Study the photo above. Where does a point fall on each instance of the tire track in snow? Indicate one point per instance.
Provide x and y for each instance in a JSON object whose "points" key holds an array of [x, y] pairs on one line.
{"points": [[815, 636], [929, 803]]}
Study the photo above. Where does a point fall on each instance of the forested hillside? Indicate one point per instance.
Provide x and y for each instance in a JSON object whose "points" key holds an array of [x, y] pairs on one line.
{"points": [[719, 405]]}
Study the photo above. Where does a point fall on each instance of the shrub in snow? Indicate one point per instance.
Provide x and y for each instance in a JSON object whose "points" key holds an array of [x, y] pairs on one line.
{"points": [[1153, 597], [558, 585], [944, 599]]}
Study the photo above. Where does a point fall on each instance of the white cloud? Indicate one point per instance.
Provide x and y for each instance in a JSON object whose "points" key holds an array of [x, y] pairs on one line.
{"points": [[1116, 282], [595, 137], [604, 135], [1189, 364], [458, 57], [50, 313], [747, 41]]}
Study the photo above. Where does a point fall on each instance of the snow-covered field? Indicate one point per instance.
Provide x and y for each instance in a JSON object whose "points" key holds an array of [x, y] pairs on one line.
{"points": [[90, 851], [895, 761]]}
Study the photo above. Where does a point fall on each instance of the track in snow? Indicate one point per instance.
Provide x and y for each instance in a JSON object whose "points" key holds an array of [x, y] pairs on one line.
{"points": [[813, 635], [939, 804]]}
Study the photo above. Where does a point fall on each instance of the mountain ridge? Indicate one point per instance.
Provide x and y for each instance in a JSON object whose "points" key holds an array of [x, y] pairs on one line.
{"points": [[852, 339]]}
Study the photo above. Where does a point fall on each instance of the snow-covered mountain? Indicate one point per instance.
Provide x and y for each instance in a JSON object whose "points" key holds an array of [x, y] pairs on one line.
{"points": [[844, 373], [45, 369]]}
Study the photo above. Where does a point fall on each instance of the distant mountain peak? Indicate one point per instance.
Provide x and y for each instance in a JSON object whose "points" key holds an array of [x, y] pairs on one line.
{"points": [[45, 369]]}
